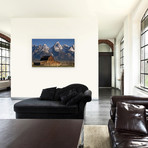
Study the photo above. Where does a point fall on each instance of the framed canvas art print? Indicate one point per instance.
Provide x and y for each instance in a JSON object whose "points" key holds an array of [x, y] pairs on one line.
{"points": [[53, 52]]}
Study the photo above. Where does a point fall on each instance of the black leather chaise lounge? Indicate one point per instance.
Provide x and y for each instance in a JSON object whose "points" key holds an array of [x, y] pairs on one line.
{"points": [[55, 103]]}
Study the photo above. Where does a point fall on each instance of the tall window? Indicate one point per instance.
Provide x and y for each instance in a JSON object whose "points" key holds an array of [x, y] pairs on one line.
{"points": [[144, 51], [4, 59], [122, 55]]}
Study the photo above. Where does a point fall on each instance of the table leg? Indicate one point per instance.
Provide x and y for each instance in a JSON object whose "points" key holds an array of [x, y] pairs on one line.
{"points": [[82, 137]]}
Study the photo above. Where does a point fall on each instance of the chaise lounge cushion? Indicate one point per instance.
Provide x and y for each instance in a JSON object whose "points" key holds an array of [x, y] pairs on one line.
{"points": [[35, 105], [76, 99], [74, 87], [68, 96], [48, 93]]}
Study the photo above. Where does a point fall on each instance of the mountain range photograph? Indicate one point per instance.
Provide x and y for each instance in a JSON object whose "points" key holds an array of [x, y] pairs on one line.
{"points": [[53, 52]]}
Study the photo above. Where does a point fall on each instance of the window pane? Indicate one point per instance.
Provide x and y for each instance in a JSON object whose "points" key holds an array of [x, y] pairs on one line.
{"points": [[146, 23], [121, 61], [142, 67], [3, 53], [146, 38], [9, 46], [3, 60], [7, 53], [3, 68], [121, 54], [3, 75], [142, 80], [3, 44], [142, 40], [121, 68], [146, 52], [146, 66], [7, 75], [7, 61], [142, 53], [121, 45], [0, 76], [142, 27], [146, 80], [7, 68]]}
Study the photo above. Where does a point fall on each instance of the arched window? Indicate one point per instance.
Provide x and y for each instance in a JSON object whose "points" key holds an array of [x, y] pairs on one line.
{"points": [[4, 57], [144, 51]]}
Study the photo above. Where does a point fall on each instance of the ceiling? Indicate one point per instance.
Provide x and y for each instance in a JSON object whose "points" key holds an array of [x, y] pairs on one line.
{"points": [[110, 13]]}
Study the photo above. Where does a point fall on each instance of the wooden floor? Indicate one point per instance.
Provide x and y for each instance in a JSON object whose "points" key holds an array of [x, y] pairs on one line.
{"points": [[97, 111]]}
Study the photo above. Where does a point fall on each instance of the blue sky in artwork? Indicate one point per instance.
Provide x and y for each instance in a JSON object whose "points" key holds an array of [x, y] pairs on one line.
{"points": [[51, 42]]}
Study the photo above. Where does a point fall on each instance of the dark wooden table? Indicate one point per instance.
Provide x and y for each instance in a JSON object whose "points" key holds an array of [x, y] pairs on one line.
{"points": [[40, 133]]}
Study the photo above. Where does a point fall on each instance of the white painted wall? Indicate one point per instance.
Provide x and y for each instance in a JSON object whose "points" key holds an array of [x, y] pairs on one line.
{"points": [[117, 58], [5, 26], [127, 55], [28, 81]]}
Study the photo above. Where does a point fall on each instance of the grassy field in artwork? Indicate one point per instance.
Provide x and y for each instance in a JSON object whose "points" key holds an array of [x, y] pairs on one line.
{"points": [[62, 64]]}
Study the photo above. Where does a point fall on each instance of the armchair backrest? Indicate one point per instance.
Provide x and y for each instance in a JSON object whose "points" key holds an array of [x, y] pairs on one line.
{"points": [[128, 99]]}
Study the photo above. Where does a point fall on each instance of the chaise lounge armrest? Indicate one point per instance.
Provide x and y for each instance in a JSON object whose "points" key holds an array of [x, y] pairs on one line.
{"points": [[87, 98]]}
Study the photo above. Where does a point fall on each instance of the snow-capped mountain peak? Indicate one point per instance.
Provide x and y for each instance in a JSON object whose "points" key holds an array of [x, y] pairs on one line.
{"points": [[58, 51], [65, 45], [71, 49], [45, 48], [57, 46]]}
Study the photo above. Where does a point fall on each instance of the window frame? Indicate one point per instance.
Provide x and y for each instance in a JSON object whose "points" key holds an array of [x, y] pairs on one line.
{"points": [[122, 53], [4, 65], [143, 47]]}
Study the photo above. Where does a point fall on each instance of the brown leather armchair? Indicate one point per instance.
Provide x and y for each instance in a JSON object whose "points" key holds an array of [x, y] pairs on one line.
{"points": [[123, 138]]}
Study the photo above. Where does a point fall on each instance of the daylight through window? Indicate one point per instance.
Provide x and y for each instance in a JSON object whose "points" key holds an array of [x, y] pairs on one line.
{"points": [[144, 51], [4, 59]]}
